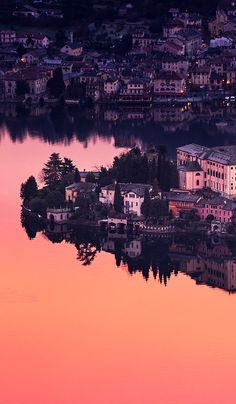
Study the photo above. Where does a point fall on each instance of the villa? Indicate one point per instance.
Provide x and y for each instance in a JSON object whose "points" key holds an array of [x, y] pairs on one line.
{"points": [[201, 167], [133, 195]]}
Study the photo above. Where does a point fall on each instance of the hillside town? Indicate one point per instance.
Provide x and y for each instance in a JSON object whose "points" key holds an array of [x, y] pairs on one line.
{"points": [[190, 58]]}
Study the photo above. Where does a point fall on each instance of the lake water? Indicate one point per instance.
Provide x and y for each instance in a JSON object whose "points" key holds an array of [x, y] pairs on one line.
{"points": [[101, 334]]}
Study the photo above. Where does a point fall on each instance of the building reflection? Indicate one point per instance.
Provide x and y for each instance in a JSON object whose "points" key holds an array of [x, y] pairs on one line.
{"points": [[127, 126], [208, 261]]}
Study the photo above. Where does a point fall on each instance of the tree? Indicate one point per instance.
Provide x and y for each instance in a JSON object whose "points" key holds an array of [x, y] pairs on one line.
{"points": [[145, 208], [29, 42], [86, 253], [105, 177], [55, 199], [22, 87], [67, 167], [38, 205], [118, 199], [29, 189], [131, 167], [209, 218], [77, 177], [52, 171], [161, 167], [56, 84], [158, 208], [90, 177], [155, 187], [20, 50]]}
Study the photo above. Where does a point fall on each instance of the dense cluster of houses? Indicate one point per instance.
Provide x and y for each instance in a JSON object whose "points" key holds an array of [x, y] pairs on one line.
{"points": [[179, 62]]}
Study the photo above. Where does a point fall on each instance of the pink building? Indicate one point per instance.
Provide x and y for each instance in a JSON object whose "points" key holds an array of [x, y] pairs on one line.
{"points": [[221, 208], [218, 168], [191, 176]]}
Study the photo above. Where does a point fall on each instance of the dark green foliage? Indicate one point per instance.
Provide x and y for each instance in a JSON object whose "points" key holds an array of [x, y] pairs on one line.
{"points": [[85, 204], [209, 218], [90, 177], [67, 167], [38, 205], [118, 252], [29, 41], [52, 171], [190, 216], [29, 189], [152, 171], [118, 200], [105, 177], [55, 199], [22, 88], [158, 208], [145, 208], [162, 167], [134, 167], [31, 224], [86, 253], [155, 187], [56, 84], [77, 177], [21, 50], [131, 167]]}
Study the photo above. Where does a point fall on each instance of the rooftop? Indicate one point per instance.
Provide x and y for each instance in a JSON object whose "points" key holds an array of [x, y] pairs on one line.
{"points": [[138, 189], [182, 197], [81, 187], [227, 204], [194, 149], [191, 166], [220, 154], [29, 73]]}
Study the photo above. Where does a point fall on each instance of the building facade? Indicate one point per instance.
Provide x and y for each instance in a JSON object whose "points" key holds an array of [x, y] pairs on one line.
{"points": [[218, 165], [133, 196]]}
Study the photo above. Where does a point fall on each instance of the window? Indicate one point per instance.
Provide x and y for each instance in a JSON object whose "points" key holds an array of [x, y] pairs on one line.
{"points": [[197, 182]]}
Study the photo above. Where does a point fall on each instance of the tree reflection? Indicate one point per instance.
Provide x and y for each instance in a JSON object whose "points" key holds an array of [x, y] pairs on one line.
{"points": [[86, 253], [206, 260]]}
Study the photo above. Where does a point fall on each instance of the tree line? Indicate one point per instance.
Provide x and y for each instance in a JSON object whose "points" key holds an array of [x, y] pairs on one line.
{"points": [[152, 168]]}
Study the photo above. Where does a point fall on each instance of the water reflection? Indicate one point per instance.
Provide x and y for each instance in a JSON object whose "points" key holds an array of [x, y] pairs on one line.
{"points": [[204, 124], [208, 261]]}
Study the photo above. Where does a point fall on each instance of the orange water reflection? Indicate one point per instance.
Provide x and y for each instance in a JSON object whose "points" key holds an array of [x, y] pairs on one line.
{"points": [[96, 335]]}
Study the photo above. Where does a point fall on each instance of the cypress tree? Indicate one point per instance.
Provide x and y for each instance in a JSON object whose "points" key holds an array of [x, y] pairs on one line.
{"points": [[118, 200], [77, 177], [145, 208], [29, 189]]}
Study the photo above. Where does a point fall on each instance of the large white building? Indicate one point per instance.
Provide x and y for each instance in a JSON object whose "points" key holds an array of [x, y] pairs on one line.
{"points": [[213, 167], [133, 195]]}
